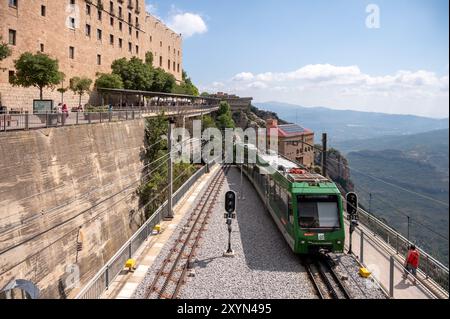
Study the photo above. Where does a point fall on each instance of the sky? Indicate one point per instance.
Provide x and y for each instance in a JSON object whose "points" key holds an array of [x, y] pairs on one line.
{"points": [[387, 56]]}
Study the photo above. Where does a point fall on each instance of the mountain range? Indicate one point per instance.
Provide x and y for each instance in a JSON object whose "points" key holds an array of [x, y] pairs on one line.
{"points": [[344, 125]]}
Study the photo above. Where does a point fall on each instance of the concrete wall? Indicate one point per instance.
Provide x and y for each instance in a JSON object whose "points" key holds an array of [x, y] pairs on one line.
{"points": [[48, 181]]}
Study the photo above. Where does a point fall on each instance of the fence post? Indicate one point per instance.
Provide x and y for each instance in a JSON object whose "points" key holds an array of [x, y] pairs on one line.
{"points": [[107, 277], [397, 244], [77, 118], [129, 251], [391, 277], [4, 122], [27, 120], [89, 117], [101, 117], [361, 249]]}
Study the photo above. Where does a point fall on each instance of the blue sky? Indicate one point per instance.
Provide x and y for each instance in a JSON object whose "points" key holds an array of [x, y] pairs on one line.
{"points": [[318, 53]]}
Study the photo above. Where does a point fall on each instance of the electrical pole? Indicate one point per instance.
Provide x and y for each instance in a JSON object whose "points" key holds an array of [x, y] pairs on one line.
{"points": [[324, 155], [170, 170], [408, 226]]}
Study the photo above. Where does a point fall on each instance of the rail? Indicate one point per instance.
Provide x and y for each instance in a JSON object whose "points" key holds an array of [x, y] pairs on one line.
{"points": [[101, 281], [28, 121]]}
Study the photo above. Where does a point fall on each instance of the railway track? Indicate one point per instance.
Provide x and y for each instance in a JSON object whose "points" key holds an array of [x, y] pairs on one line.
{"points": [[172, 274], [324, 279]]}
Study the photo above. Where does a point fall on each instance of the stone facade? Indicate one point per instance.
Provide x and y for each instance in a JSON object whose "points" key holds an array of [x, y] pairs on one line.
{"points": [[60, 29]]}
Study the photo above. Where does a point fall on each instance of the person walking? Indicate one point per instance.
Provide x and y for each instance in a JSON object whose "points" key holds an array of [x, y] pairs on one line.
{"points": [[411, 263]]}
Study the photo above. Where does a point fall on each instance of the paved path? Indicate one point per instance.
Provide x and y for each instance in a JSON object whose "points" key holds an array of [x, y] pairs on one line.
{"points": [[376, 257]]}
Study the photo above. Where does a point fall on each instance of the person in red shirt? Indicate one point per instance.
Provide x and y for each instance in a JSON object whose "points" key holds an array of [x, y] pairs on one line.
{"points": [[412, 262]]}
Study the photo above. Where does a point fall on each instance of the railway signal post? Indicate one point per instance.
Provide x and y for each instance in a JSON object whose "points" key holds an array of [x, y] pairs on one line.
{"points": [[230, 208], [352, 210]]}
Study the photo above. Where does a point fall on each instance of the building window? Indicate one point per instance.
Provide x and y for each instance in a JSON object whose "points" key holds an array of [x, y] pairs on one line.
{"points": [[88, 30], [178, 52], [99, 59], [137, 49], [137, 34], [72, 2], [42, 47], [12, 37], [168, 65], [111, 39], [130, 31], [10, 76], [99, 14], [137, 22], [173, 66], [88, 10], [71, 52], [120, 26], [120, 12], [111, 21], [111, 7], [160, 61], [43, 11], [160, 44], [99, 34], [120, 43], [178, 67], [13, 3], [129, 18], [151, 39], [130, 47], [72, 23]]}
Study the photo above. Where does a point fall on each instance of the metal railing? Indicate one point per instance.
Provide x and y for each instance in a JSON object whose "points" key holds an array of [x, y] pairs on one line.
{"points": [[431, 267], [101, 281], [26, 121]]}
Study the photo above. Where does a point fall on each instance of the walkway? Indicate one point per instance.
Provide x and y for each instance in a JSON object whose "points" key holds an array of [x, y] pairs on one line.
{"points": [[376, 257]]}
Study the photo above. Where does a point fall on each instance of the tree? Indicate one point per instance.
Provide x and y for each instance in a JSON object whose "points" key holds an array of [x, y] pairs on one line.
{"points": [[208, 122], [149, 58], [38, 70], [162, 81], [225, 118], [109, 81], [135, 74], [5, 51], [80, 86], [186, 87], [205, 94]]}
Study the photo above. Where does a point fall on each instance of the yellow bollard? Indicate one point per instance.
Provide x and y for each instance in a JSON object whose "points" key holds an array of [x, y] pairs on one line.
{"points": [[364, 272], [130, 264], [157, 229]]}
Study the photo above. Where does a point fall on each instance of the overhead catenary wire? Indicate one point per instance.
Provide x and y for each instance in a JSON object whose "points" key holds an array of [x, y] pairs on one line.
{"points": [[73, 217], [96, 189], [84, 223]]}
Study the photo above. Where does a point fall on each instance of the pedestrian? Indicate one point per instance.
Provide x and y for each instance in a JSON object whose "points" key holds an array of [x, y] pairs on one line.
{"points": [[65, 111], [411, 263]]}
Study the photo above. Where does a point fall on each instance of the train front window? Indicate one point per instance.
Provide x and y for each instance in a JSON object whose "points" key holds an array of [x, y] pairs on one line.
{"points": [[318, 211]]}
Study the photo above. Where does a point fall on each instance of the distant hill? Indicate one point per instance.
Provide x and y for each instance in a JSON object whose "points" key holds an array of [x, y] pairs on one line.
{"points": [[418, 163], [430, 147], [349, 125]]}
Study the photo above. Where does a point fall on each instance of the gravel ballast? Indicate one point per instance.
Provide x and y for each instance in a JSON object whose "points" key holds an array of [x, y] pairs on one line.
{"points": [[264, 267]]}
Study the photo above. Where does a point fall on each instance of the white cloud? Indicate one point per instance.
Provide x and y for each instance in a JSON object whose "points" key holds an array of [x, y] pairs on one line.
{"points": [[186, 23], [418, 92], [243, 76]]}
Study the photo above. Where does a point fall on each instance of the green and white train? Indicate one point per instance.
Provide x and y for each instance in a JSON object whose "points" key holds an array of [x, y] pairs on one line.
{"points": [[307, 208]]}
